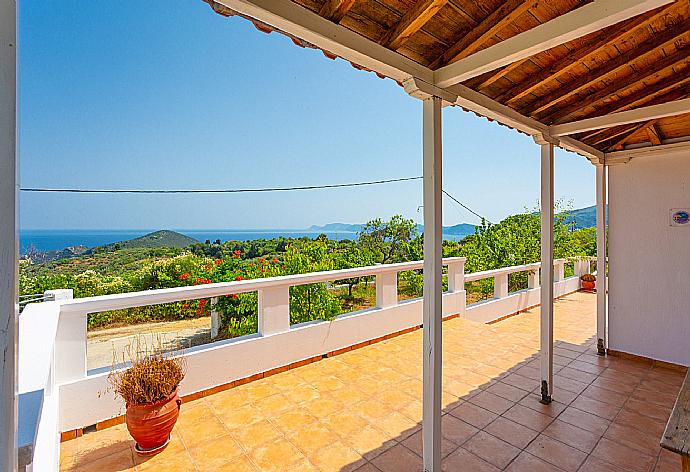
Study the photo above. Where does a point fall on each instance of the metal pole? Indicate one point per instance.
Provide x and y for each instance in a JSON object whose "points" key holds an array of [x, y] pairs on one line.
{"points": [[601, 260], [431, 422], [9, 308], [546, 325]]}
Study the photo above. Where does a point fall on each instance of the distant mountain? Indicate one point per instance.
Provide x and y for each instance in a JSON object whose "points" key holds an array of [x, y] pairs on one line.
{"points": [[163, 238], [337, 227], [39, 257], [584, 217]]}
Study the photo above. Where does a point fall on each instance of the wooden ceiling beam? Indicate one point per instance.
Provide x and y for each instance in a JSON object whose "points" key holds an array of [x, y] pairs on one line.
{"points": [[411, 22], [335, 10], [593, 46], [650, 112], [670, 95], [636, 78], [666, 38], [492, 24], [562, 29]]}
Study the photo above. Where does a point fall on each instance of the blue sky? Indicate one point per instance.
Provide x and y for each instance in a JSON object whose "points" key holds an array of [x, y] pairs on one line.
{"points": [[142, 95]]}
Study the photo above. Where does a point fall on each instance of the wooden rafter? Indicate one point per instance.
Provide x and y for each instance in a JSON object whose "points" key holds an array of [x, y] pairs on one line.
{"points": [[491, 25], [635, 79], [335, 10], [628, 134], [664, 39], [411, 22], [592, 47], [654, 135]]}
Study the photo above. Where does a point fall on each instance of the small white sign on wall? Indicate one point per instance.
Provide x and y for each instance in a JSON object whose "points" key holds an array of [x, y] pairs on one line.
{"points": [[680, 217]]}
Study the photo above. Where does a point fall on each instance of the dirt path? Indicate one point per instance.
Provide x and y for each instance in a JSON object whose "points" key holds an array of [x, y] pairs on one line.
{"points": [[103, 343]]}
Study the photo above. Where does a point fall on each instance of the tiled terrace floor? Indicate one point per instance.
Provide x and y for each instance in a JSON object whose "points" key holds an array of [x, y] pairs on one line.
{"points": [[362, 410]]}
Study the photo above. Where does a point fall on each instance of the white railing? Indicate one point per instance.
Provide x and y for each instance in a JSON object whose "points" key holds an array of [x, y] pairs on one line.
{"points": [[53, 342]]}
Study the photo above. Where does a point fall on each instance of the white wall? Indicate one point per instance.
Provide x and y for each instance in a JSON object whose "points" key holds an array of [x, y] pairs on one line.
{"points": [[649, 261]]}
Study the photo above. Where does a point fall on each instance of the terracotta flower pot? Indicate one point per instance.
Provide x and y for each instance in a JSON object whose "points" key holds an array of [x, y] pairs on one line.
{"points": [[588, 285], [151, 424]]}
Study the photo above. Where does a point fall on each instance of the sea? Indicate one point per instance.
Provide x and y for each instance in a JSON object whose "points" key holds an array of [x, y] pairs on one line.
{"points": [[49, 240]]}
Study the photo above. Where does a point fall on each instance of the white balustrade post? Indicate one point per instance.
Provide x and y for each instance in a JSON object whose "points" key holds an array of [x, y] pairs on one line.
{"points": [[274, 310], [433, 285], [70, 347], [9, 239], [560, 270], [500, 285], [386, 289], [215, 319], [546, 309], [456, 274], [533, 279], [601, 259]]}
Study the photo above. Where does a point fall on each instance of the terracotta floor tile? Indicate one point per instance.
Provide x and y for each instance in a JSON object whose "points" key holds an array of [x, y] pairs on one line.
{"points": [[369, 441], [239, 417], [180, 462], [636, 439], [276, 455], [202, 431], [641, 422], [533, 402], [595, 407], [474, 415], [492, 449], [594, 464], [528, 417], [456, 430], [214, 453], [118, 461], [337, 458], [511, 432], [605, 396], [578, 438], [294, 419], [507, 391], [556, 453], [397, 425], [313, 438], [462, 459], [398, 459], [526, 462], [584, 420], [492, 402], [643, 408], [414, 443], [256, 434], [622, 456], [344, 423], [236, 464]]}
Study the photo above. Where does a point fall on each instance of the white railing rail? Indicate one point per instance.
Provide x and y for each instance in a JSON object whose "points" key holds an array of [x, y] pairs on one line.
{"points": [[277, 343]]}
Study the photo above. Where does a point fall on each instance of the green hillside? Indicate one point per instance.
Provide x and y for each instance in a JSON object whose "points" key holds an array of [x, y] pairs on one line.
{"points": [[163, 238]]}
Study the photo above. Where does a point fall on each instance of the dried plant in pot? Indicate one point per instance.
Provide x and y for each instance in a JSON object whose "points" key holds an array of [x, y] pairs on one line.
{"points": [[588, 282], [149, 388]]}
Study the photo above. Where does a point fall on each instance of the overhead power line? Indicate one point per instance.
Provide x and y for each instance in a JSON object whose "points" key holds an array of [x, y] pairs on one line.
{"points": [[228, 190], [240, 190]]}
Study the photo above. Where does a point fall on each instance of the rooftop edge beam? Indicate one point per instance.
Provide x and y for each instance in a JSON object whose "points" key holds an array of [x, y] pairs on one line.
{"points": [[296, 20], [651, 112], [575, 24]]}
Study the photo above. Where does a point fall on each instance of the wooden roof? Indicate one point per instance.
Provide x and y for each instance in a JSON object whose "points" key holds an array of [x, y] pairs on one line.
{"points": [[642, 61]]}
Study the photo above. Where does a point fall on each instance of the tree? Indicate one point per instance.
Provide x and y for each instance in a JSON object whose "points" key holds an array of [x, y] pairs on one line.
{"points": [[349, 258], [389, 241]]}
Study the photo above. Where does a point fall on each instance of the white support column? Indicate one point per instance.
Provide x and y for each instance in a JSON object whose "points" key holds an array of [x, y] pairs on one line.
{"points": [[433, 287], [386, 289], [274, 310], [547, 270], [215, 319], [9, 239], [533, 279], [601, 260]]}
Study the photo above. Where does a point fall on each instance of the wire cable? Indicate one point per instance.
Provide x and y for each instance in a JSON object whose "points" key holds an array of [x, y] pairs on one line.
{"points": [[465, 206], [230, 190]]}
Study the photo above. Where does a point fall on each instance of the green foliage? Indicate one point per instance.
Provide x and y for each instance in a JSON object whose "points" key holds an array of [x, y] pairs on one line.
{"points": [[513, 241]]}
